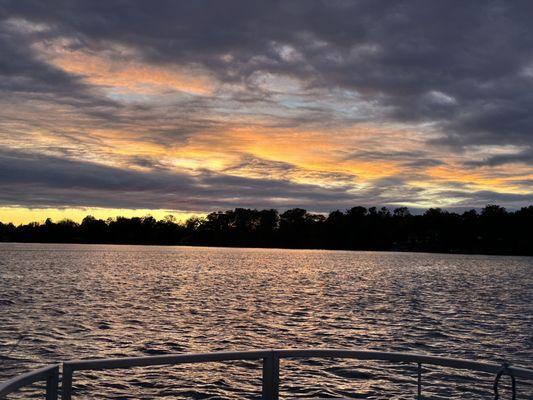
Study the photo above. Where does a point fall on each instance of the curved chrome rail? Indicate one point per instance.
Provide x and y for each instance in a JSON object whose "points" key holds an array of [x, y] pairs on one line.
{"points": [[271, 359]]}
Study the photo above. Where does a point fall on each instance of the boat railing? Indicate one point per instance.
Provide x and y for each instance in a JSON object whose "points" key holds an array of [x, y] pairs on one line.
{"points": [[49, 374], [270, 368]]}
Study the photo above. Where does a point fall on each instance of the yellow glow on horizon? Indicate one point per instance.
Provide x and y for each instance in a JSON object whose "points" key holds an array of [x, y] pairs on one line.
{"points": [[23, 215]]}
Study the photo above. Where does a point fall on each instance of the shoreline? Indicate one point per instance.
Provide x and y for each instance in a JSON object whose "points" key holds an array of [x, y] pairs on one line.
{"points": [[218, 246]]}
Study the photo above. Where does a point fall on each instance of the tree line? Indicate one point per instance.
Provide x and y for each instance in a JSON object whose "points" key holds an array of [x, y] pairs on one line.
{"points": [[492, 230]]}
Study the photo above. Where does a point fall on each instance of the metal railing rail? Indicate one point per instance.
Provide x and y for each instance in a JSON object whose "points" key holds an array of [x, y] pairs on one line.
{"points": [[271, 358], [49, 374], [271, 365], [110, 363]]}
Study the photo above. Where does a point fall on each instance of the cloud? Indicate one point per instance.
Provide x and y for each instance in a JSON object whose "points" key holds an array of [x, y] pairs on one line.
{"points": [[458, 65], [332, 102], [478, 199], [33, 180], [521, 157]]}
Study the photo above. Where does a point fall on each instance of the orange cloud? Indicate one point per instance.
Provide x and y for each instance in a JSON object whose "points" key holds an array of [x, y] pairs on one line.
{"points": [[127, 74], [487, 178], [314, 155]]}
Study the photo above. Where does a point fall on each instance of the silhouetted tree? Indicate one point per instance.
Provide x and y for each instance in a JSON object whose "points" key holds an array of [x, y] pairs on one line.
{"points": [[493, 230]]}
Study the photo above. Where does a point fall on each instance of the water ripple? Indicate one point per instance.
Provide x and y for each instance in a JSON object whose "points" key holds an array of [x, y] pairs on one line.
{"points": [[61, 302]]}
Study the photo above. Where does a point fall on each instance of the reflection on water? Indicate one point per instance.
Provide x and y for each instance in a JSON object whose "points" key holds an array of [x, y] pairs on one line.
{"points": [[78, 301]]}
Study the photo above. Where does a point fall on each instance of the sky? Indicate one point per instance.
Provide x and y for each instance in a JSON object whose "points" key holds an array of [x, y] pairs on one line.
{"points": [[185, 107]]}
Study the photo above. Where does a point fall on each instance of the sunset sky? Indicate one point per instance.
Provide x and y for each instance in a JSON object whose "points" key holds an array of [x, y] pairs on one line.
{"points": [[185, 107]]}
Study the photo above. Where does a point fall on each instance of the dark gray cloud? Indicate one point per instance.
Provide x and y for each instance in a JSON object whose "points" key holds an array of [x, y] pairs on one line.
{"points": [[474, 55], [481, 198], [22, 72], [524, 156], [462, 71], [36, 180], [466, 66]]}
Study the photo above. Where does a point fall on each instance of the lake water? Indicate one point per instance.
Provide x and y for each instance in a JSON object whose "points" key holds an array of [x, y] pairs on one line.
{"points": [[60, 302]]}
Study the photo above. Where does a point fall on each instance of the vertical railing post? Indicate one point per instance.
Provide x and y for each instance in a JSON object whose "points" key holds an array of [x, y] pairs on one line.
{"points": [[270, 389], [66, 383], [52, 383], [419, 381]]}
